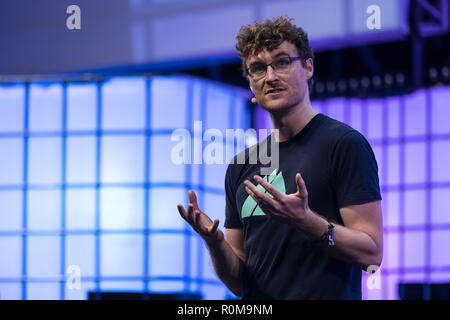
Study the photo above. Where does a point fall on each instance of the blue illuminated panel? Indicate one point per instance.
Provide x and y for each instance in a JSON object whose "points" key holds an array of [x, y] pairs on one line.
{"points": [[45, 112], [88, 188], [12, 102], [81, 106], [11, 150]]}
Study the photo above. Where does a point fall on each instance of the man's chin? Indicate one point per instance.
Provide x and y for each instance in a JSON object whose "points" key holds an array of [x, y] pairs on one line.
{"points": [[275, 106]]}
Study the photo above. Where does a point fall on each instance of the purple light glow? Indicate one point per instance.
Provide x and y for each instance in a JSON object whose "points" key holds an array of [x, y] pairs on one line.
{"points": [[410, 136]]}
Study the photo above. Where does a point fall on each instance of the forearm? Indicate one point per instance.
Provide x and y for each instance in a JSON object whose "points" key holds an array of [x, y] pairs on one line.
{"points": [[227, 264], [352, 246]]}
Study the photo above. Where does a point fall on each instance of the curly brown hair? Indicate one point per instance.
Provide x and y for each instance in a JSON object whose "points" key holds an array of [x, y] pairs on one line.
{"points": [[269, 34]]}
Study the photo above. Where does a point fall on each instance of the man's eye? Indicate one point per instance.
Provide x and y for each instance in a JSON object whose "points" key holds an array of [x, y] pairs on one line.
{"points": [[257, 68], [282, 62]]}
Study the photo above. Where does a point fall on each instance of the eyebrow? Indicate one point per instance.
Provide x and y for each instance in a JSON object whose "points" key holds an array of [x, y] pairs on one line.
{"points": [[258, 61]]}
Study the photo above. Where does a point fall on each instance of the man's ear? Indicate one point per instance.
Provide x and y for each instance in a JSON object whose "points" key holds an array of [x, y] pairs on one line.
{"points": [[251, 87], [309, 68]]}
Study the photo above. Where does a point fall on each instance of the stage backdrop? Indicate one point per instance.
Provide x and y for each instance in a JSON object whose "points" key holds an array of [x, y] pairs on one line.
{"points": [[410, 136], [89, 188]]}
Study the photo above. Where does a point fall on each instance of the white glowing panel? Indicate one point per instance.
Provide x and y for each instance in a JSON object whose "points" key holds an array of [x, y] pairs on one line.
{"points": [[81, 159], [168, 265], [218, 104], [415, 162], [45, 112], [44, 210], [11, 213], [440, 206], [393, 121], [163, 210], [12, 103], [43, 291], [162, 166], [415, 210], [11, 161], [80, 253], [44, 162], [168, 98], [123, 103], [80, 209], [10, 291], [122, 159], [414, 242], [375, 119], [121, 255], [337, 108], [10, 256], [121, 208], [82, 106], [43, 256], [439, 257], [415, 113], [440, 155], [440, 115]]}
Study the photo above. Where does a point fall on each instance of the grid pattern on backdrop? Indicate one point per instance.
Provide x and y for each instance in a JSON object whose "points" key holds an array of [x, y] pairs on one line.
{"points": [[88, 188]]}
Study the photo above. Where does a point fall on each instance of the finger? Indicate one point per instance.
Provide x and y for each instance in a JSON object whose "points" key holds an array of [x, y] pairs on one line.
{"points": [[189, 212], [277, 194], [267, 209], [193, 198], [301, 186], [182, 212], [198, 226], [213, 228], [249, 191], [252, 192], [252, 195], [260, 196]]}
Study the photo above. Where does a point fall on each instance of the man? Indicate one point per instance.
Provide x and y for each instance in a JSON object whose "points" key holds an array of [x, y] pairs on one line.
{"points": [[307, 230]]}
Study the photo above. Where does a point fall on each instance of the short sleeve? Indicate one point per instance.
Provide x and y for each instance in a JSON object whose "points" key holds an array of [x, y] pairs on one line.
{"points": [[232, 219], [354, 170]]}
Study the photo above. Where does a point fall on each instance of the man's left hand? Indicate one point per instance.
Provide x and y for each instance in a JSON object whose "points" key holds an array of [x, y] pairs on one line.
{"points": [[286, 208]]}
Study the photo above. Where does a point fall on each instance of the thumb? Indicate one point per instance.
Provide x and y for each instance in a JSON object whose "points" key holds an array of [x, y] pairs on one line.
{"points": [[212, 229], [301, 187], [297, 181]]}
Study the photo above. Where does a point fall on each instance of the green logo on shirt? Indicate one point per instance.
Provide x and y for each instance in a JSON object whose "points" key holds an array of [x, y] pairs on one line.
{"points": [[250, 208]]}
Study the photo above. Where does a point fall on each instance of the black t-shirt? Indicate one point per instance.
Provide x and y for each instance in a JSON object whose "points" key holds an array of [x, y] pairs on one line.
{"points": [[339, 169]]}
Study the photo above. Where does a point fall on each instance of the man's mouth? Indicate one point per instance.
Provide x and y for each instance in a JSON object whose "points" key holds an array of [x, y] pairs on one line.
{"points": [[274, 90]]}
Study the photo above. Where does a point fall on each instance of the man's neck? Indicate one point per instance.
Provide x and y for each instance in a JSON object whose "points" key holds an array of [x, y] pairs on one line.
{"points": [[293, 121]]}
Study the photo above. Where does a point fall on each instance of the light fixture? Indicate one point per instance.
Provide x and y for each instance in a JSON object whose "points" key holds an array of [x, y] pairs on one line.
{"points": [[342, 85], [365, 82], [388, 79], [353, 84], [320, 87], [331, 87], [433, 74], [400, 78], [445, 72], [376, 80]]}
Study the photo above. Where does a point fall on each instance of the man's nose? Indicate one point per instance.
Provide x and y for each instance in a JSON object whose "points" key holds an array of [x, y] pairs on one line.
{"points": [[271, 74]]}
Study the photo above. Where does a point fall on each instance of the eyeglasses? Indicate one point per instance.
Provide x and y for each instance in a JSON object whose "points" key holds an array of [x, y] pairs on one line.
{"points": [[258, 71]]}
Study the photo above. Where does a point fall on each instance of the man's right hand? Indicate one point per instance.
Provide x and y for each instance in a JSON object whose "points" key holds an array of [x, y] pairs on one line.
{"points": [[199, 221]]}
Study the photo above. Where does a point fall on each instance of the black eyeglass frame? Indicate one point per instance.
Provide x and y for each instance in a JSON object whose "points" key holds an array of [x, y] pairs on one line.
{"points": [[291, 59]]}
